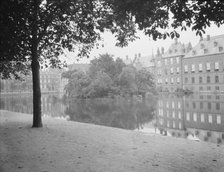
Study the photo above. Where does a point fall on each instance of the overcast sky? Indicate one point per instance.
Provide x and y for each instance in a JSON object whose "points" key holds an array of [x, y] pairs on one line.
{"points": [[144, 45]]}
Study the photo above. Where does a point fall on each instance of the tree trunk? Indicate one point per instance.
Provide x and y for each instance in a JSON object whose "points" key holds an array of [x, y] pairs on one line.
{"points": [[37, 121]]}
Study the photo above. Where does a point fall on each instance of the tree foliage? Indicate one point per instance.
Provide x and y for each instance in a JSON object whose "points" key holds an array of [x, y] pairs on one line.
{"points": [[102, 80]]}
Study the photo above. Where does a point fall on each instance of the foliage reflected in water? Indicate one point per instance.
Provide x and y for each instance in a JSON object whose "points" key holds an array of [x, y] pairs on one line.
{"points": [[121, 112]]}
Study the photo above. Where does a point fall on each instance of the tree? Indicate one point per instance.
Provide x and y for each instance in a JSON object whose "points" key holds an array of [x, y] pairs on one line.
{"points": [[38, 31], [144, 82]]}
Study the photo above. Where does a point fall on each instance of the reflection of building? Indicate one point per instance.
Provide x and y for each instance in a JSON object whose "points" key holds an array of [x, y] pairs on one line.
{"points": [[50, 81], [198, 115], [50, 104], [199, 69]]}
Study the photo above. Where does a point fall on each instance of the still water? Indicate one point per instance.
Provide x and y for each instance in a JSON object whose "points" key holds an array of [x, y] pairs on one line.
{"points": [[196, 117]]}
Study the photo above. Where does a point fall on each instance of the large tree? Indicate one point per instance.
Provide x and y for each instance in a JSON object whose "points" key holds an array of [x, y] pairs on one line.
{"points": [[38, 31]]}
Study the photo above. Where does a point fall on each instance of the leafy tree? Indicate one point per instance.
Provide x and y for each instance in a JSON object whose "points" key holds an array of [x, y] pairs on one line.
{"points": [[127, 80], [144, 82], [76, 87], [101, 86], [38, 31]]}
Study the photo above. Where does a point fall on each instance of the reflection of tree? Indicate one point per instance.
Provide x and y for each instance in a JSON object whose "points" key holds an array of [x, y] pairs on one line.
{"points": [[119, 113]]}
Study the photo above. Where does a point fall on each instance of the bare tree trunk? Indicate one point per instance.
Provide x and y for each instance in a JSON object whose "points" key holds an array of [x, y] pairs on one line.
{"points": [[37, 121]]}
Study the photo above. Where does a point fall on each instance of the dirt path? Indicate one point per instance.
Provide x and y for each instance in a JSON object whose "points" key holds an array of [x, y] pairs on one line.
{"points": [[62, 146]]}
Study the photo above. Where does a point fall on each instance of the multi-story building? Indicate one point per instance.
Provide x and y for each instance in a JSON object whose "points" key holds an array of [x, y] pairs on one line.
{"points": [[168, 66], [199, 69], [50, 81], [203, 66]]}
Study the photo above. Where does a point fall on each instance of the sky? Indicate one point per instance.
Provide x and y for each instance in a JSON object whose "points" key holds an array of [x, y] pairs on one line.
{"points": [[145, 45]]}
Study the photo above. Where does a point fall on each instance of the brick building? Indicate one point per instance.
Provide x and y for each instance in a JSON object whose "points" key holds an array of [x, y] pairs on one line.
{"points": [[199, 69]]}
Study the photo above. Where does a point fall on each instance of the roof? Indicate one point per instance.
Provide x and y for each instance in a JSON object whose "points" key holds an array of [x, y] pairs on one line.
{"points": [[208, 45]]}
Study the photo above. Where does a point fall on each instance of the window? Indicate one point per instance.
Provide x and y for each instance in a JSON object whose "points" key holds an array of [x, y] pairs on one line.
{"points": [[202, 117], [201, 105], [220, 49], [180, 126], [159, 63], [161, 112], [216, 79], [165, 71], [171, 60], [171, 80], [200, 79], [192, 80], [166, 62], [216, 66], [218, 119], [167, 113], [174, 125], [178, 80], [208, 88], [166, 80], [168, 123], [171, 70], [185, 68], [208, 66], [186, 80], [167, 104], [217, 88], [177, 59], [194, 105], [173, 114], [209, 105], [195, 117], [208, 79], [209, 118], [179, 115], [178, 70], [217, 106], [193, 68], [188, 116], [173, 105], [200, 67], [200, 88]]}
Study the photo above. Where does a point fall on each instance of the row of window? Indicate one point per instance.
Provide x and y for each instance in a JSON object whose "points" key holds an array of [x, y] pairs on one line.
{"points": [[200, 67], [211, 118], [172, 80], [170, 104], [207, 79], [170, 61]]}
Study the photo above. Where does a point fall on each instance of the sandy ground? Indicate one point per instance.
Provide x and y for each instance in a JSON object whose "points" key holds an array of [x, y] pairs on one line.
{"points": [[62, 146]]}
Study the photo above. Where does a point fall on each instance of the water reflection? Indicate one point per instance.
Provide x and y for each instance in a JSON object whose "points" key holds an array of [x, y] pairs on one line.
{"points": [[198, 117], [113, 112]]}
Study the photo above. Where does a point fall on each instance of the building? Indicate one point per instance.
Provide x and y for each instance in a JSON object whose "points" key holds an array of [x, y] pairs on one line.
{"points": [[199, 69], [84, 67], [203, 66], [169, 66], [51, 80]]}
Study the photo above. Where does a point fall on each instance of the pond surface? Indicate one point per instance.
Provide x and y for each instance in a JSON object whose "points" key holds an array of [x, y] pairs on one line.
{"points": [[196, 117]]}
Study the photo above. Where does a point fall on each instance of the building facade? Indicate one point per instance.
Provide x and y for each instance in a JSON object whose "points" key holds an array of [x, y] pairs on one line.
{"points": [[199, 69], [203, 66]]}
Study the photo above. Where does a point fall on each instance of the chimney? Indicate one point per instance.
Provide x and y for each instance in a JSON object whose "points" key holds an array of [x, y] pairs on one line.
{"points": [[175, 40], [162, 50], [201, 38], [208, 37]]}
